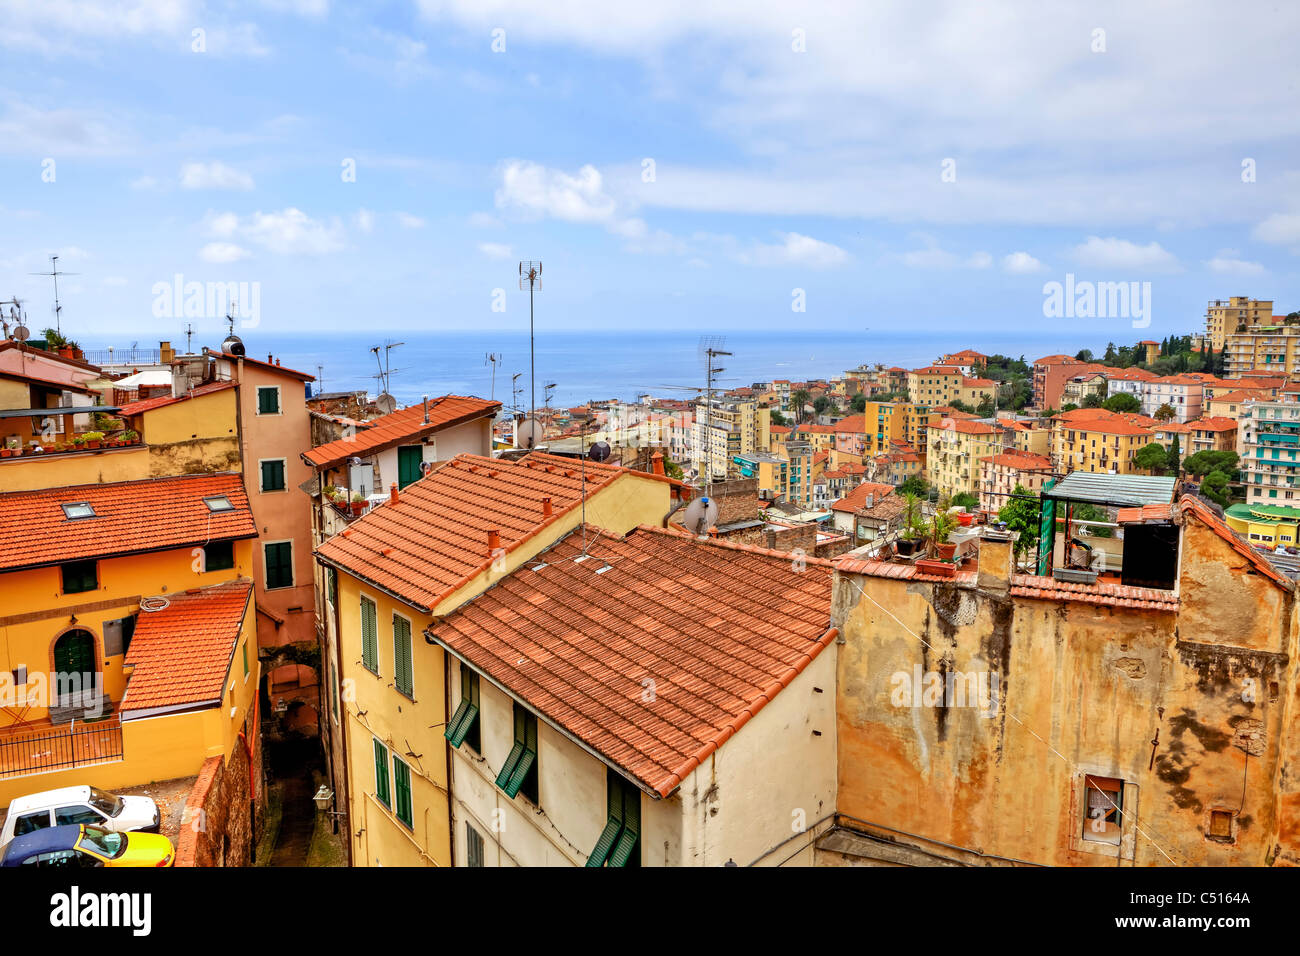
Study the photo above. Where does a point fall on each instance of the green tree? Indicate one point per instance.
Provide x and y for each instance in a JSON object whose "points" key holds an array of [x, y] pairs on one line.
{"points": [[1084, 355], [914, 485], [1110, 356], [1153, 457], [1069, 407], [1203, 462], [799, 403], [1092, 400], [986, 408], [1175, 453], [821, 404], [859, 403], [777, 418], [1021, 514], [964, 499], [1087, 512], [1122, 403], [1215, 487], [1165, 413]]}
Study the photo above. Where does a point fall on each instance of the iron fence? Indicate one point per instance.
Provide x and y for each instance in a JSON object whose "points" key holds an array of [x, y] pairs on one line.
{"points": [[56, 748]]}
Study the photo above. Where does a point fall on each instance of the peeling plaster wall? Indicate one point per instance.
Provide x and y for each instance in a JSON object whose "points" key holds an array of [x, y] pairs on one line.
{"points": [[1084, 690]]}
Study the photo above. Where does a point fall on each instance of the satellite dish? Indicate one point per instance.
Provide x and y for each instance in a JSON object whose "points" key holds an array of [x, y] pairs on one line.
{"points": [[599, 451], [426, 467], [528, 433], [386, 403], [21, 333], [232, 345], [700, 515]]}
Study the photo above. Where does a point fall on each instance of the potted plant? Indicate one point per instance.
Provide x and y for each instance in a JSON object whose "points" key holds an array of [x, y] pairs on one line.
{"points": [[942, 524], [8, 450], [130, 436], [330, 492], [78, 442], [912, 528], [92, 439], [358, 504]]}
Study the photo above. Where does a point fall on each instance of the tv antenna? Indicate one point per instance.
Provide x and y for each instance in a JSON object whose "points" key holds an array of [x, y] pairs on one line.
{"points": [[230, 317], [530, 271], [547, 391], [515, 389], [711, 347], [189, 338], [55, 273], [495, 359], [14, 318], [385, 365]]}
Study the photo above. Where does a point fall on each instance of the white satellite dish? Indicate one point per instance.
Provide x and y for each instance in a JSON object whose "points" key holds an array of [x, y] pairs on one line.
{"points": [[700, 515], [21, 333], [528, 433]]}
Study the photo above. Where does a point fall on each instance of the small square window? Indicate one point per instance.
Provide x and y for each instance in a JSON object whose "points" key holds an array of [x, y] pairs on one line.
{"points": [[78, 509], [268, 400], [1220, 825], [80, 576], [218, 503], [1103, 809], [219, 556]]}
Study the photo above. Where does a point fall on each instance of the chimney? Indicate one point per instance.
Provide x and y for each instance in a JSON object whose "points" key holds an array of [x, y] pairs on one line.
{"points": [[996, 559], [547, 511], [392, 493], [494, 542], [657, 463], [426, 409]]}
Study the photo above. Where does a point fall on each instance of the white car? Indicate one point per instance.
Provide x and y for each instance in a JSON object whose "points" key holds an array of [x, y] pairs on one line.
{"points": [[79, 805]]}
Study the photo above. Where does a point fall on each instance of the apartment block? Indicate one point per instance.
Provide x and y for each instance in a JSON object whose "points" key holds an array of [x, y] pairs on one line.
{"points": [[1224, 317]]}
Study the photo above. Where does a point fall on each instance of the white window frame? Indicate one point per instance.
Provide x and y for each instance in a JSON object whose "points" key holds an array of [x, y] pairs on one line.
{"points": [[263, 491], [293, 572], [279, 402]]}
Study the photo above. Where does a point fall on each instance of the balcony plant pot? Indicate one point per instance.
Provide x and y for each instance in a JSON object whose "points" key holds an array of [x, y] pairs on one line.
{"points": [[906, 546], [6, 452], [943, 569], [357, 508], [946, 551], [66, 352], [93, 444]]}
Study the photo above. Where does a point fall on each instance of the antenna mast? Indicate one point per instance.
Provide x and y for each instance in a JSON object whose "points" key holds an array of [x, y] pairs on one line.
{"points": [[55, 273], [711, 350], [494, 358], [531, 272]]}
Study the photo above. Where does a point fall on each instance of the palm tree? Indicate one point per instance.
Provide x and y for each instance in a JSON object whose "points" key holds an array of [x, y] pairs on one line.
{"points": [[798, 402]]}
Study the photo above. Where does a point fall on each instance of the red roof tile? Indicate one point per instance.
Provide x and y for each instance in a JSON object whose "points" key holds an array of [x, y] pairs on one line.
{"points": [[1021, 461], [405, 424], [435, 538], [719, 628], [130, 517], [149, 404], [181, 654], [270, 367], [1190, 505], [1157, 512], [856, 499], [1101, 593]]}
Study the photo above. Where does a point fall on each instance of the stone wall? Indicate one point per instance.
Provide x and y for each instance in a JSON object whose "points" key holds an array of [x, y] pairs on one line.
{"points": [[217, 827]]}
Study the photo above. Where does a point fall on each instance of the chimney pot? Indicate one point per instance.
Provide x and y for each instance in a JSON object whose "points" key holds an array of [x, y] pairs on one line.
{"points": [[494, 541], [657, 463], [546, 507], [392, 493]]}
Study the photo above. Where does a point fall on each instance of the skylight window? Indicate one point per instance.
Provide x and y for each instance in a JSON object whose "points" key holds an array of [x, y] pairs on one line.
{"points": [[78, 509], [218, 503]]}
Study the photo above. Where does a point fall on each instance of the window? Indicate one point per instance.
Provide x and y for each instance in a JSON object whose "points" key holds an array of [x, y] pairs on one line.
{"points": [[31, 822], [473, 847], [268, 400], [620, 841], [332, 586], [1103, 809], [272, 474], [519, 774], [402, 669], [1220, 826], [402, 790], [381, 774], [464, 724], [77, 814], [334, 691], [245, 658], [369, 636], [218, 503], [219, 556], [79, 509], [117, 636], [279, 564], [80, 576]]}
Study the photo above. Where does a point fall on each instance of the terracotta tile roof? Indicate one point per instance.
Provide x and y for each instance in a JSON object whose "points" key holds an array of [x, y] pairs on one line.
{"points": [[1191, 505], [1131, 374], [900, 572], [965, 354], [1241, 395], [964, 427], [1102, 593], [856, 499], [720, 628], [978, 383], [435, 538], [130, 517], [271, 367], [938, 370], [853, 424], [1058, 360], [403, 425], [149, 404], [1021, 461], [947, 411], [182, 653], [1145, 513], [1214, 423]]}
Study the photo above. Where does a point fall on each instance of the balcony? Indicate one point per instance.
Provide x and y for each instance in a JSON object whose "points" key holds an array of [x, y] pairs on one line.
{"points": [[42, 747]]}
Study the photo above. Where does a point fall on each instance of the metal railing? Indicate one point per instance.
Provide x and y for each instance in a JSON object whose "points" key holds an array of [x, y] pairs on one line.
{"points": [[124, 356], [55, 748]]}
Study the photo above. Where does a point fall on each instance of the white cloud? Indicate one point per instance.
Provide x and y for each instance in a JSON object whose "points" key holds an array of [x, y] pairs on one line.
{"points": [[800, 250], [540, 192], [1228, 262], [303, 8], [287, 232], [365, 220], [222, 252], [1280, 227], [1020, 262], [933, 256], [495, 250], [1113, 253], [214, 175], [407, 221]]}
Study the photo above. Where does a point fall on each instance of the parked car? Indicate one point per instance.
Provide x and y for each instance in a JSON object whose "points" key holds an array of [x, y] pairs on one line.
{"points": [[70, 805], [87, 846]]}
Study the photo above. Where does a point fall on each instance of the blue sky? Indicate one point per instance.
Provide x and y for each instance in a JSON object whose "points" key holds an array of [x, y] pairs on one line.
{"points": [[794, 147]]}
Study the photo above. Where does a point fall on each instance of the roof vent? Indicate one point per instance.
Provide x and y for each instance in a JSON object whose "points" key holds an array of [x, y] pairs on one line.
{"points": [[547, 510]]}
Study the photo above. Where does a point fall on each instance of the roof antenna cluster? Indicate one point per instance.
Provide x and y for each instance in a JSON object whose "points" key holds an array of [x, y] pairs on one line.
{"points": [[55, 273]]}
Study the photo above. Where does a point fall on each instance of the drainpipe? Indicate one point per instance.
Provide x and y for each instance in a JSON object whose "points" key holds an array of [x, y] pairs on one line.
{"points": [[252, 782]]}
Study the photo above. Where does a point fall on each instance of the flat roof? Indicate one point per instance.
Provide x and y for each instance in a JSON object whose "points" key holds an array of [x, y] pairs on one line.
{"points": [[1107, 489]]}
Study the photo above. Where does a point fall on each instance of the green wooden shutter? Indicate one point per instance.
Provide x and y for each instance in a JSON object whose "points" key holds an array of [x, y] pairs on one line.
{"points": [[409, 459], [279, 564], [629, 841], [381, 774], [613, 825], [273, 475], [462, 722], [268, 400], [402, 790], [369, 636], [402, 667], [516, 753]]}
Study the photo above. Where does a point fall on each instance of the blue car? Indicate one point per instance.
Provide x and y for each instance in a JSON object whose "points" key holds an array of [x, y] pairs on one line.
{"points": [[74, 846]]}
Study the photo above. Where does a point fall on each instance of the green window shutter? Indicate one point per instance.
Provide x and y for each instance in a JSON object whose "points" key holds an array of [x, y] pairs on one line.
{"points": [[273, 475], [523, 757], [369, 636], [80, 576], [464, 721], [508, 768], [268, 401], [381, 774], [629, 841], [453, 725], [402, 790], [402, 669], [606, 842], [409, 460], [525, 764], [279, 564]]}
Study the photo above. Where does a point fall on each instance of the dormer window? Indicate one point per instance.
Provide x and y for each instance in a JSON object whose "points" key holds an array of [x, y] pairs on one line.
{"points": [[74, 510], [218, 503]]}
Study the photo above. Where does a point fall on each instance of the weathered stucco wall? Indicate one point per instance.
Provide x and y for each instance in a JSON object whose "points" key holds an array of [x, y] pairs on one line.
{"points": [[1185, 708]]}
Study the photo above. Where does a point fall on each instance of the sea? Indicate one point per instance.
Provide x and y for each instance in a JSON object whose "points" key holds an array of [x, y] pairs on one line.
{"points": [[586, 366]]}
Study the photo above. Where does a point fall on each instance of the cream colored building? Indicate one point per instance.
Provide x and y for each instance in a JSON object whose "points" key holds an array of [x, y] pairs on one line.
{"points": [[1224, 316], [1275, 348]]}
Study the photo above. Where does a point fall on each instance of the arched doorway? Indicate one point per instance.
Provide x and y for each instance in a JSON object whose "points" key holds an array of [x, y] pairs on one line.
{"points": [[74, 668]]}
